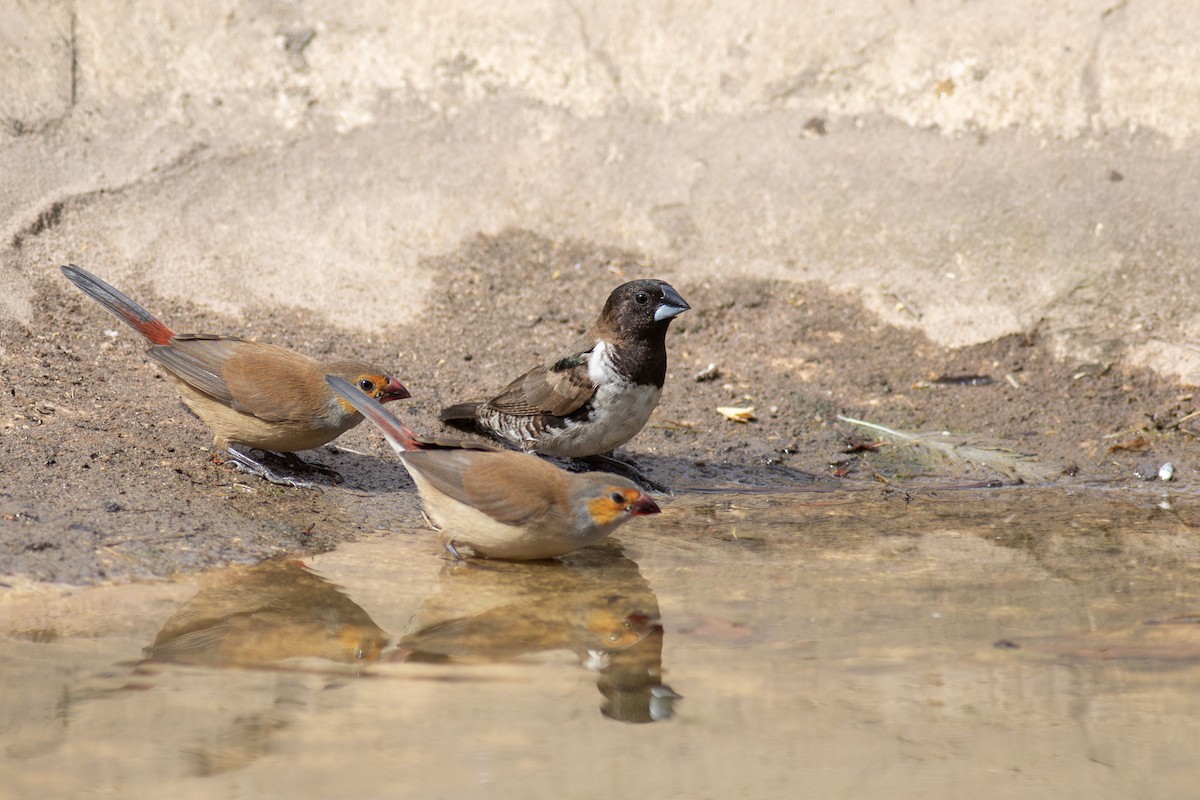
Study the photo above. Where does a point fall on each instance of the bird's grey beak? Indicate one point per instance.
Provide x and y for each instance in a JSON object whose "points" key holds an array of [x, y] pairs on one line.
{"points": [[672, 304], [395, 390], [643, 506]]}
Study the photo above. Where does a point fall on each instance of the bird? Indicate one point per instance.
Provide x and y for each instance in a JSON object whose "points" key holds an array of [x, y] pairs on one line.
{"points": [[259, 396], [597, 395], [501, 503]]}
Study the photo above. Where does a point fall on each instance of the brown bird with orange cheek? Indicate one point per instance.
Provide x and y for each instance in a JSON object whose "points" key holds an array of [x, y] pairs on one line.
{"points": [[503, 504], [596, 396], [251, 394]]}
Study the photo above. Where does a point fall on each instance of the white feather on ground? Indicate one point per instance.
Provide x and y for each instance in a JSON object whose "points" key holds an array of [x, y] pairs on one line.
{"points": [[961, 449]]}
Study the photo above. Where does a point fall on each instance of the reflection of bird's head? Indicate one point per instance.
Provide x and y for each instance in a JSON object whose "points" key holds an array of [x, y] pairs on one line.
{"points": [[631, 681], [615, 631]]}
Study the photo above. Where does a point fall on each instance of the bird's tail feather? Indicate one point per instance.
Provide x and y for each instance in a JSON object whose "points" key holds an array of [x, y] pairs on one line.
{"points": [[399, 436], [118, 304], [460, 415]]}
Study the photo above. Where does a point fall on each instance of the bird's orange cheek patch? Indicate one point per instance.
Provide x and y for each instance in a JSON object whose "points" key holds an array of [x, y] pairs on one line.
{"points": [[349, 408], [356, 646], [604, 510]]}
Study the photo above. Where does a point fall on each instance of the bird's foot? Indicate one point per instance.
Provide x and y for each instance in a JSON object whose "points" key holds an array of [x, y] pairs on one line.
{"points": [[298, 464], [471, 561], [612, 464], [244, 463]]}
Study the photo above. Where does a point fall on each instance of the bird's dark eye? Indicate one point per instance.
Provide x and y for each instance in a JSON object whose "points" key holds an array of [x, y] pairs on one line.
{"points": [[641, 298], [367, 385], [617, 497]]}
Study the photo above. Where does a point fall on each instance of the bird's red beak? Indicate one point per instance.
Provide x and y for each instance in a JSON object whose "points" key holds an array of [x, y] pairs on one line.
{"points": [[643, 506], [393, 391]]}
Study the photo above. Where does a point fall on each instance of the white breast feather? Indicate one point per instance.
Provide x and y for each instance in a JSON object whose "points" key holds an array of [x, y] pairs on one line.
{"points": [[621, 408]]}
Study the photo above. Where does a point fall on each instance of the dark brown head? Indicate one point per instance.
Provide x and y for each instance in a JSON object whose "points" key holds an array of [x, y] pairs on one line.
{"points": [[640, 308]]}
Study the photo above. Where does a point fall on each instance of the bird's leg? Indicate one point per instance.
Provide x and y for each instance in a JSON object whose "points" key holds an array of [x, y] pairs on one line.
{"points": [[450, 545], [300, 465], [611, 463], [462, 562], [244, 463]]}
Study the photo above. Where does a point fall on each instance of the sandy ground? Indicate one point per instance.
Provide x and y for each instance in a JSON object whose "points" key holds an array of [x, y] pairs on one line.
{"points": [[857, 201]]}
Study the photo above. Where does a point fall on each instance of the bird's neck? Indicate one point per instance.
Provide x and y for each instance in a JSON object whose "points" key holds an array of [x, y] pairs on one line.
{"points": [[644, 359]]}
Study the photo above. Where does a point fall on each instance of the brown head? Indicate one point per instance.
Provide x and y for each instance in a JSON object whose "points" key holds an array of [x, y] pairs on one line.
{"points": [[379, 386]]}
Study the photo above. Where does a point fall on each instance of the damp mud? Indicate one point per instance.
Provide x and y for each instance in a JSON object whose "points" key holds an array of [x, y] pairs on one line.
{"points": [[868, 643]]}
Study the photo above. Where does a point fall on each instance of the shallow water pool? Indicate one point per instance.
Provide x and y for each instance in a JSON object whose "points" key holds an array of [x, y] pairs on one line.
{"points": [[985, 643]]}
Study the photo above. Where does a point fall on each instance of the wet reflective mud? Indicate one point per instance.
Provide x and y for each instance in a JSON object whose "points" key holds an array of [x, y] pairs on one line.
{"points": [[1012, 642]]}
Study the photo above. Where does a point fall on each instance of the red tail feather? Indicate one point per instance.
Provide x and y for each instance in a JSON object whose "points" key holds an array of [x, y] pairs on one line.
{"points": [[118, 304]]}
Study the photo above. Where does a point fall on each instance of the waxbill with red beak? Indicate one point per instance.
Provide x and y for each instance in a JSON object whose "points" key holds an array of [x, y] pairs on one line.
{"points": [[500, 503], [251, 394]]}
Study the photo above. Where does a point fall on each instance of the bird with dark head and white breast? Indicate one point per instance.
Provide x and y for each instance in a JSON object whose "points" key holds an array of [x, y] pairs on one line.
{"points": [[500, 503], [249, 393], [597, 395]]}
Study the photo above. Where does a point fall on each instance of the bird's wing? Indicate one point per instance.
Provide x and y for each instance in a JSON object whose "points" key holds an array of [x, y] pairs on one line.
{"points": [[512, 488], [557, 390], [264, 380], [198, 360], [198, 644]]}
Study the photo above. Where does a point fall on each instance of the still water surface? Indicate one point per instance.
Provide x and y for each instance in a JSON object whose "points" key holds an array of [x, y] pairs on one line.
{"points": [[996, 643]]}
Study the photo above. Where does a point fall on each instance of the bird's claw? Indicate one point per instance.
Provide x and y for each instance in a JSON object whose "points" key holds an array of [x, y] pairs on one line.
{"points": [[614, 464], [297, 463], [244, 463]]}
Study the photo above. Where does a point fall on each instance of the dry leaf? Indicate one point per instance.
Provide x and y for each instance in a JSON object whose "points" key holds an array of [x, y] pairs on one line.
{"points": [[1139, 444], [737, 414]]}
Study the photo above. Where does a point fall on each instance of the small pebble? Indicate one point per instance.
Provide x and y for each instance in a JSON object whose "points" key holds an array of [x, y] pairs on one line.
{"points": [[1150, 470], [707, 374]]}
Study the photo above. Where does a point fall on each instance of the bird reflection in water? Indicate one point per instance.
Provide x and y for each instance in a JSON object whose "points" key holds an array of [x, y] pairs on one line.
{"points": [[278, 615], [593, 602], [265, 615]]}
